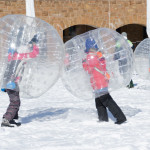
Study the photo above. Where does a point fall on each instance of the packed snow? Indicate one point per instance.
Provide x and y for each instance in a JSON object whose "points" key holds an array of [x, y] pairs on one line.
{"points": [[59, 121]]}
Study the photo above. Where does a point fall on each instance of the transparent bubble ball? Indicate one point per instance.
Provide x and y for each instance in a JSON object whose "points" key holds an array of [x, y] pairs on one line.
{"points": [[31, 55], [142, 59], [97, 62]]}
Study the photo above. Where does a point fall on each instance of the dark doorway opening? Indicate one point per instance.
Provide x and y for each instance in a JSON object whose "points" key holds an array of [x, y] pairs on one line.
{"points": [[135, 33], [75, 30]]}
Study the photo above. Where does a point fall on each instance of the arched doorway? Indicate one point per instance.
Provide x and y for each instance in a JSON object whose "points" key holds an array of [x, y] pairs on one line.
{"points": [[135, 33], [75, 30]]}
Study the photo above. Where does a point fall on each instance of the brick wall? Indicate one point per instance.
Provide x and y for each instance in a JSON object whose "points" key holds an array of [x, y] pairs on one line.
{"points": [[12, 7], [97, 13]]}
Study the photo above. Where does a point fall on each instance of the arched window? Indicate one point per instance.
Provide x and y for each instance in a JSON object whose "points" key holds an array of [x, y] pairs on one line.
{"points": [[135, 33], [75, 30]]}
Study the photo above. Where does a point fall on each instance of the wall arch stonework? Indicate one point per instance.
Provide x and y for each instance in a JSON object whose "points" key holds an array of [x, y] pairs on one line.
{"points": [[66, 13]]}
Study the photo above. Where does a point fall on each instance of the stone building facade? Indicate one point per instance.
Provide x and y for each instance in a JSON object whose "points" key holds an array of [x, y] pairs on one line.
{"points": [[63, 14]]}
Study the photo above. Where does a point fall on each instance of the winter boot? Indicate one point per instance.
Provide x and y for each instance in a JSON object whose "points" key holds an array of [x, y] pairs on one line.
{"points": [[15, 123], [114, 109], [11, 123], [6, 123], [120, 122]]}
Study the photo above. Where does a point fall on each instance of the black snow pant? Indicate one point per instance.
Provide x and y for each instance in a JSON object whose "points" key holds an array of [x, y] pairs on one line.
{"points": [[13, 108], [106, 101]]}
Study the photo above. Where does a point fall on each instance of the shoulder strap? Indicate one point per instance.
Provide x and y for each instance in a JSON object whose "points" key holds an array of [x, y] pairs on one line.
{"points": [[103, 73]]}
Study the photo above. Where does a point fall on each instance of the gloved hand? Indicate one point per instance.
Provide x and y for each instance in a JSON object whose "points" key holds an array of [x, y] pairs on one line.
{"points": [[107, 75], [3, 90]]}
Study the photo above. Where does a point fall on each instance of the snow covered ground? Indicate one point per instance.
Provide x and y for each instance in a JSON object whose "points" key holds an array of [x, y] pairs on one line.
{"points": [[59, 121]]}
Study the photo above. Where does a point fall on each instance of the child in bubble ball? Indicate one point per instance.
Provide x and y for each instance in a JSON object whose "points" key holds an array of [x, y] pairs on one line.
{"points": [[95, 65], [12, 76]]}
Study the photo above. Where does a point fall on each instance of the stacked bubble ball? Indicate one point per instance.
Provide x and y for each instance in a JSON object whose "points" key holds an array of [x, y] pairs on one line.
{"points": [[31, 55], [96, 63], [142, 59]]}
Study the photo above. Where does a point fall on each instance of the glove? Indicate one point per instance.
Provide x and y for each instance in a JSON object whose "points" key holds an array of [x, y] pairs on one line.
{"points": [[3, 90], [107, 75]]}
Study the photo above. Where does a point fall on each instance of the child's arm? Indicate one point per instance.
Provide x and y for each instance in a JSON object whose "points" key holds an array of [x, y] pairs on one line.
{"points": [[32, 54], [85, 65]]}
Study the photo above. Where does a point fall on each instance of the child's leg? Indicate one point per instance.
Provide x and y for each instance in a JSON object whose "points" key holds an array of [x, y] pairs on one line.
{"points": [[14, 105], [114, 108], [101, 110]]}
